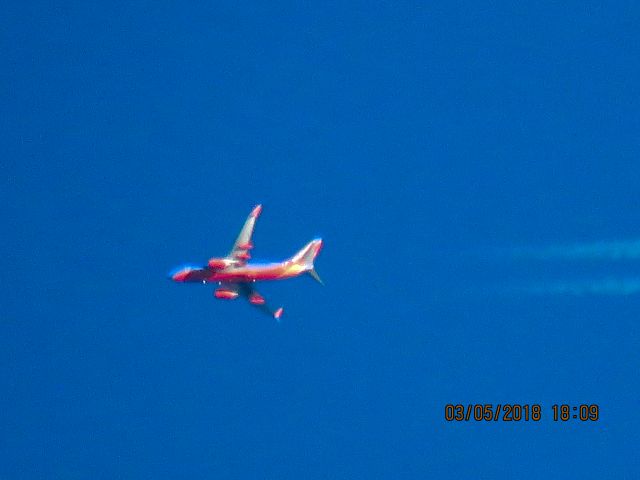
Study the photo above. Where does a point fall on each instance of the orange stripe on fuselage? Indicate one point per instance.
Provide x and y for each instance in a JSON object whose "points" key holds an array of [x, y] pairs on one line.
{"points": [[248, 273]]}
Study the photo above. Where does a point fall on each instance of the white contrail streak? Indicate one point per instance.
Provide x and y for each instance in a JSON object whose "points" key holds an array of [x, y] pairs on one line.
{"points": [[577, 260], [612, 250], [605, 286]]}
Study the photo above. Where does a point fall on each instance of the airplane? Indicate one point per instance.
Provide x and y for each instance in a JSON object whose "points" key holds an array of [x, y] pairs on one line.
{"points": [[236, 277]]}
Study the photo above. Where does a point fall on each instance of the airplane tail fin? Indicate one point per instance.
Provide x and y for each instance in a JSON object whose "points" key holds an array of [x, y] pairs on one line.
{"points": [[307, 255]]}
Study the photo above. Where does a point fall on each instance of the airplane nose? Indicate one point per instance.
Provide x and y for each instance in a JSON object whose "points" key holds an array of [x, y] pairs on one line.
{"points": [[178, 274]]}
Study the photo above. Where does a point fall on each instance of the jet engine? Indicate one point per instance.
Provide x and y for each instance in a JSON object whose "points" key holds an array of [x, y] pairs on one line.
{"points": [[225, 294], [219, 263], [256, 299]]}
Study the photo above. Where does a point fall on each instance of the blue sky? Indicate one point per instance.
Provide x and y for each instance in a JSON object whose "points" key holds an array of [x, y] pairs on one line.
{"points": [[412, 138]]}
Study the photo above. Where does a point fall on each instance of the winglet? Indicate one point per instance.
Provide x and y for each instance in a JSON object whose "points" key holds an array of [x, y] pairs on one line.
{"points": [[278, 313], [256, 211], [315, 276]]}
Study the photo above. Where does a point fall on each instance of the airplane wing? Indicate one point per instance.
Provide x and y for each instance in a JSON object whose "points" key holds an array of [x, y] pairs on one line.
{"points": [[257, 300], [242, 245]]}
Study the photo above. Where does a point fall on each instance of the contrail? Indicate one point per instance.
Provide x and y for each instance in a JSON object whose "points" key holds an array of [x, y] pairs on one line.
{"points": [[606, 287], [603, 268], [606, 250]]}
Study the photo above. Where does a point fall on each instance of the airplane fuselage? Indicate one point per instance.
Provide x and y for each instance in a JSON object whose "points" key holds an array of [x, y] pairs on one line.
{"points": [[244, 273], [255, 272]]}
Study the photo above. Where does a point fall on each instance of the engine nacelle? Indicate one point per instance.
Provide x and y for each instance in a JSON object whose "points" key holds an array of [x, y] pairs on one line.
{"points": [[225, 294], [219, 263], [256, 299]]}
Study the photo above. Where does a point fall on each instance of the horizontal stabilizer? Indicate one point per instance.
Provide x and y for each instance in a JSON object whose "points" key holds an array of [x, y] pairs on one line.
{"points": [[315, 276]]}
